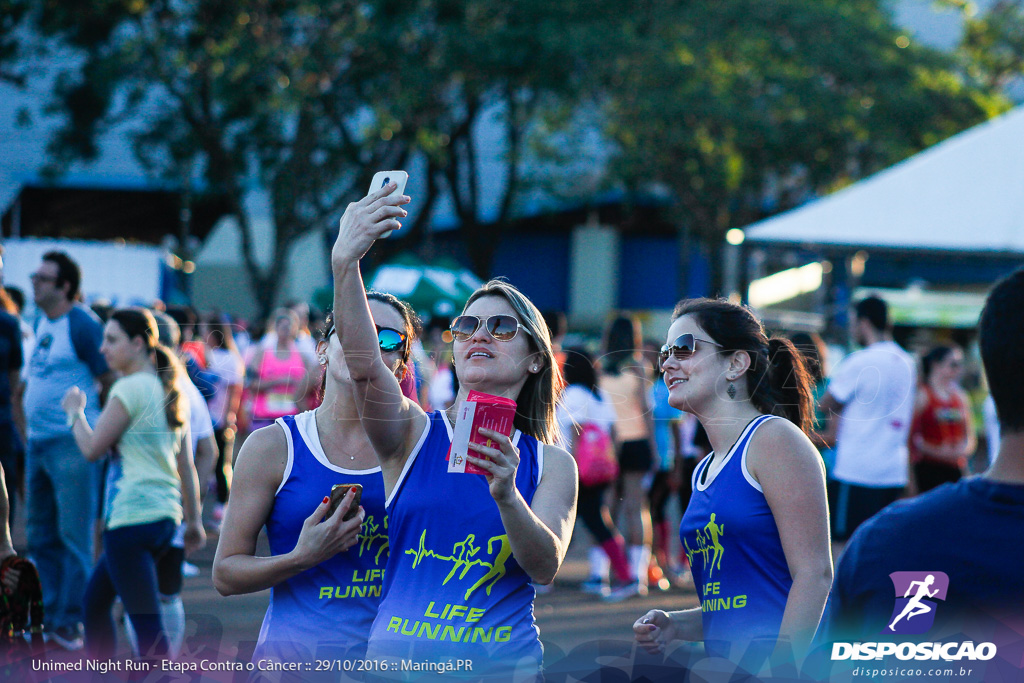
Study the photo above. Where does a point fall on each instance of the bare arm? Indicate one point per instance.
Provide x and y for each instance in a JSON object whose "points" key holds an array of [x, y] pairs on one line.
{"points": [[17, 407], [831, 409], [787, 466], [195, 537], [112, 423], [206, 459], [258, 473], [6, 547], [392, 422], [539, 533]]}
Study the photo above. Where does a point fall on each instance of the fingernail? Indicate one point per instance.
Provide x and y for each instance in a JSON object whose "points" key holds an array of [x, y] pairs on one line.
{"points": [[327, 499]]}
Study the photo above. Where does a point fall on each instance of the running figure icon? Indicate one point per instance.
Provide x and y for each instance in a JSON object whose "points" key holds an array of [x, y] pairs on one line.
{"points": [[915, 607], [714, 531]]}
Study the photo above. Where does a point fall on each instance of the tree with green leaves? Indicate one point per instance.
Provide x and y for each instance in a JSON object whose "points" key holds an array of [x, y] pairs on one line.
{"points": [[992, 44], [305, 100], [725, 103], [285, 96]]}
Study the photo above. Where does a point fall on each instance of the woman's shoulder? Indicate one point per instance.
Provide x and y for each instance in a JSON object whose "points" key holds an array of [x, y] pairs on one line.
{"points": [[778, 438], [129, 386], [265, 452]]}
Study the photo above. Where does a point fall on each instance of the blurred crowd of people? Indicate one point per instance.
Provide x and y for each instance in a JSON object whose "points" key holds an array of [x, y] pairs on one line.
{"points": [[887, 424]]}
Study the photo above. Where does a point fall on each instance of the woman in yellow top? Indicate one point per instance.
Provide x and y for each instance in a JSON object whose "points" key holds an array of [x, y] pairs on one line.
{"points": [[146, 418]]}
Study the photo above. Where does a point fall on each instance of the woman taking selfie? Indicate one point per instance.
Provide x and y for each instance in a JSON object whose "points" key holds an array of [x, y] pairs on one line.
{"points": [[145, 417], [756, 528], [464, 547], [325, 577]]}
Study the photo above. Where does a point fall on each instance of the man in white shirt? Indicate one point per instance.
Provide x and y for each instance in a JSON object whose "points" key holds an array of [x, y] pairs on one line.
{"points": [[871, 395]]}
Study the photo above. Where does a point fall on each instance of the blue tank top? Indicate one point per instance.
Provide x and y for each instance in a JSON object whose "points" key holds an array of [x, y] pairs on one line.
{"points": [[328, 609], [740, 571], [452, 590]]}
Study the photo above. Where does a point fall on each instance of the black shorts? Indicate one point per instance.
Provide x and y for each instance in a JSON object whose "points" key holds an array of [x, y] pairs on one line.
{"points": [[636, 456], [850, 505], [168, 571]]}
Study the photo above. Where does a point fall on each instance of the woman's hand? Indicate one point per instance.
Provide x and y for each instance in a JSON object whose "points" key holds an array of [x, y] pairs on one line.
{"points": [[73, 402], [654, 631], [365, 221], [501, 463], [195, 537], [321, 541]]}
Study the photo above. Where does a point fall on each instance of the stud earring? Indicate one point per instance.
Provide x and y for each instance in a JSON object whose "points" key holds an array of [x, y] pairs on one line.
{"points": [[323, 360]]}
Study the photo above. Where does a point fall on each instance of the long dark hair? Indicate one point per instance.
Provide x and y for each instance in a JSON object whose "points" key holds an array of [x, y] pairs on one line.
{"points": [[535, 405], [578, 368], [138, 322], [777, 381], [933, 358], [621, 343]]}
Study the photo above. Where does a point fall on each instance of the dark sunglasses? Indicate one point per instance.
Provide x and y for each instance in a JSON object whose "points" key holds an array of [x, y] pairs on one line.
{"points": [[502, 328], [388, 339], [682, 348]]}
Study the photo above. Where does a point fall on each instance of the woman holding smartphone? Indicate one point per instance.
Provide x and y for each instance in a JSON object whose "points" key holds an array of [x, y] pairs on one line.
{"points": [[325, 575], [146, 417], [756, 528], [464, 547]]}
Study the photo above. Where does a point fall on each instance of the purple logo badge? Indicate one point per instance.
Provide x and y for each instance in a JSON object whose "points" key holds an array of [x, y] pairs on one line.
{"points": [[917, 594]]}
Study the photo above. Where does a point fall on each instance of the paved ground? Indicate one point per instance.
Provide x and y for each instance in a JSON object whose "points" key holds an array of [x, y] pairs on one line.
{"points": [[567, 617]]}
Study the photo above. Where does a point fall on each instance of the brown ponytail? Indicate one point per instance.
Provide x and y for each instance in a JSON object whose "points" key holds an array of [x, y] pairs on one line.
{"points": [[788, 388], [138, 322], [168, 369]]}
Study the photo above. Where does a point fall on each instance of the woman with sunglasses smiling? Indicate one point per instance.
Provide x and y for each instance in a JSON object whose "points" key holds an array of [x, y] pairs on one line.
{"points": [[464, 547], [756, 529], [326, 574]]}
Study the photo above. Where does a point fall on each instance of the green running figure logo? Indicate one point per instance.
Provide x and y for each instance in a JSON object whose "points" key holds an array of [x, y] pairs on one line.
{"points": [[708, 542], [464, 557]]}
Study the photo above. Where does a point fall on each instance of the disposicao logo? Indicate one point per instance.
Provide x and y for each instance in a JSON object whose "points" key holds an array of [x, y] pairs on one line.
{"points": [[917, 598], [917, 594]]}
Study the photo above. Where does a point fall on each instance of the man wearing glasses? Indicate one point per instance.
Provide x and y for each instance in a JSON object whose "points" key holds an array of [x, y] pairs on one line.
{"points": [[63, 488]]}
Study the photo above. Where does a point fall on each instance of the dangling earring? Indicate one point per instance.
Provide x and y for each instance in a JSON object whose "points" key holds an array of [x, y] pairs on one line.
{"points": [[731, 390]]}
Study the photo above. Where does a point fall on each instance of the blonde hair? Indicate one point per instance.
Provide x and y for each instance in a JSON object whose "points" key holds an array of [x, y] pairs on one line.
{"points": [[535, 405]]}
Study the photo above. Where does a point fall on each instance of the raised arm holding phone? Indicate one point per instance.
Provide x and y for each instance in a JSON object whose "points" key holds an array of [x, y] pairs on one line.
{"points": [[464, 548]]}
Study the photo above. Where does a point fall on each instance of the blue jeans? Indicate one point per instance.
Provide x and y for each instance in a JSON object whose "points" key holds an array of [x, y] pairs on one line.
{"points": [[132, 559], [62, 504]]}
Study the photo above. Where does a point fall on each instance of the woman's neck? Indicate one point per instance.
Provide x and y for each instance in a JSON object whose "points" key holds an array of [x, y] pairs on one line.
{"points": [[941, 388], [725, 425], [137, 365], [338, 404]]}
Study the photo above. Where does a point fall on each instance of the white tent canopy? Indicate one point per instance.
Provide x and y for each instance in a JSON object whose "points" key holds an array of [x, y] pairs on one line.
{"points": [[964, 194]]}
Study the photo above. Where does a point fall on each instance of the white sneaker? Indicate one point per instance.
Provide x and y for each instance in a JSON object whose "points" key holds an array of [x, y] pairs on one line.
{"points": [[595, 586], [626, 591]]}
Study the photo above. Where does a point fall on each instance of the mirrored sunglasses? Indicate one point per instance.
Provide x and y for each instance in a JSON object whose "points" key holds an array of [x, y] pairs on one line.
{"points": [[388, 339]]}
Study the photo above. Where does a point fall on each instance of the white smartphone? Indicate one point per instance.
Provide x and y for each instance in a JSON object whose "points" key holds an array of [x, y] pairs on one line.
{"points": [[382, 178]]}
